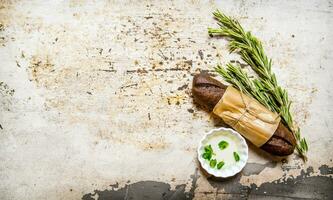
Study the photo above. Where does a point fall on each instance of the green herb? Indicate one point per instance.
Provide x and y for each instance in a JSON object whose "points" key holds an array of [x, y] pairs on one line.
{"points": [[208, 148], [220, 165], [223, 144], [264, 88], [236, 156], [212, 163], [207, 156], [208, 152]]}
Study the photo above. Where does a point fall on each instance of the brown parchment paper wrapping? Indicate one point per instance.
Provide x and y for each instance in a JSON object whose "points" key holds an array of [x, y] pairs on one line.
{"points": [[247, 116]]}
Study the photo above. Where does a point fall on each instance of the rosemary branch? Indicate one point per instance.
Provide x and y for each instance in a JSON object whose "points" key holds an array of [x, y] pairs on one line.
{"points": [[264, 88], [240, 79]]}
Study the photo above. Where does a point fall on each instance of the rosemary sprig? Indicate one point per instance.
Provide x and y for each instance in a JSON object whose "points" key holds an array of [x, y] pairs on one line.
{"points": [[240, 79], [264, 88]]}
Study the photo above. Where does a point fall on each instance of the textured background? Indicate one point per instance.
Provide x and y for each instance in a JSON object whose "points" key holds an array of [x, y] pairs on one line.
{"points": [[95, 98]]}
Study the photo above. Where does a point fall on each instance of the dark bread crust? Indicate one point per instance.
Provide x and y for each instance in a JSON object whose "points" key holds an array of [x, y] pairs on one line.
{"points": [[207, 91]]}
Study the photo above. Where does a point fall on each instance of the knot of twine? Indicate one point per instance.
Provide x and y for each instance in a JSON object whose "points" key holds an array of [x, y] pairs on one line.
{"points": [[250, 111]]}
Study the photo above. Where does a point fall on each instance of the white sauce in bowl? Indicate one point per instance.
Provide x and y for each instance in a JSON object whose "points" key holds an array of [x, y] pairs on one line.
{"points": [[226, 154], [236, 143]]}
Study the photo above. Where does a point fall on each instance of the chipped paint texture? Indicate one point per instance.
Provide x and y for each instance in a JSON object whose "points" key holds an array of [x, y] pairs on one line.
{"points": [[97, 93]]}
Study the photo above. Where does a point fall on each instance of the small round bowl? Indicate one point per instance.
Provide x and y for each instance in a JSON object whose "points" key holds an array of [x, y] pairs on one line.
{"points": [[230, 170]]}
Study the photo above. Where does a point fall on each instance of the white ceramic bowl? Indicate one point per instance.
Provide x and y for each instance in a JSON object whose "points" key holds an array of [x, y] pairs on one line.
{"points": [[242, 150]]}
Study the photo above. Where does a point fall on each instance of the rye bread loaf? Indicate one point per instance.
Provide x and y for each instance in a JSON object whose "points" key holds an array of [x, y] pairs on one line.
{"points": [[207, 92]]}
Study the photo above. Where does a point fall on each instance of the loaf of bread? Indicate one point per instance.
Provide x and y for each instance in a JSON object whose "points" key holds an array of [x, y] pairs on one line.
{"points": [[207, 92]]}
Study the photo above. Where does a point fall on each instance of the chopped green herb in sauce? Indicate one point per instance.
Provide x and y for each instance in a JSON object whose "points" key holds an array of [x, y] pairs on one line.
{"points": [[220, 165], [236, 156], [207, 155], [223, 144], [212, 163], [209, 148]]}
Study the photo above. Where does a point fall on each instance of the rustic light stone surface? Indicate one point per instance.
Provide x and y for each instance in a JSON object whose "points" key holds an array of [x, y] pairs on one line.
{"points": [[97, 93]]}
